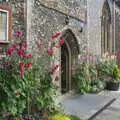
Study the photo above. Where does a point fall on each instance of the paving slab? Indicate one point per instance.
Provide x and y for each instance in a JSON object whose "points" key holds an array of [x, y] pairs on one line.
{"points": [[115, 94], [111, 113], [85, 106]]}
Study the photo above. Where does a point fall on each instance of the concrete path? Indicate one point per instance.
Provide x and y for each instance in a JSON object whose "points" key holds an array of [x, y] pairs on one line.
{"points": [[85, 106], [113, 111]]}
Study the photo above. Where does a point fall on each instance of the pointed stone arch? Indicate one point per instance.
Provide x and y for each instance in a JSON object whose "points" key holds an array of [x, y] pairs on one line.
{"points": [[69, 55], [105, 28]]}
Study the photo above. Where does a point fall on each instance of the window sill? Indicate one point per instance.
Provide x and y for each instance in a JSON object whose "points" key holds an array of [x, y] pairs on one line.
{"points": [[4, 42]]}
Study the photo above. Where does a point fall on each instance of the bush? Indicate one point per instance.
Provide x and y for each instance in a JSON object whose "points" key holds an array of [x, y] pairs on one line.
{"points": [[88, 79], [97, 85], [60, 117], [64, 117], [91, 76], [74, 117], [15, 79]]}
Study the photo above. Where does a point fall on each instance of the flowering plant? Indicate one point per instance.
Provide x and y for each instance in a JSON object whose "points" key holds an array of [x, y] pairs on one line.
{"points": [[60, 117], [15, 78], [26, 83], [106, 65], [109, 68], [45, 68], [115, 77]]}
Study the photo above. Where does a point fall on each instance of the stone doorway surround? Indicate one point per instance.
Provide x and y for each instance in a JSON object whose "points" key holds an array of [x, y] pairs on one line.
{"points": [[72, 42], [69, 56]]}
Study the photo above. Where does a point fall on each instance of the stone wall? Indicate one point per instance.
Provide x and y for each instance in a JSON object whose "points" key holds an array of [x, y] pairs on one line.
{"points": [[17, 19], [117, 30], [18, 9], [45, 20], [94, 8], [94, 13]]}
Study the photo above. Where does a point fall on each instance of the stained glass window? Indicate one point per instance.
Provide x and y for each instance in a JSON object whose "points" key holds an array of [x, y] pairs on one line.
{"points": [[3, 25]]}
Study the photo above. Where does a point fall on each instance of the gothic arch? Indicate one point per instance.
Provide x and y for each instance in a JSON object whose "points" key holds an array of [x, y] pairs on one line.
{"points": [[74, 46], [69, 55], [105, 28]]}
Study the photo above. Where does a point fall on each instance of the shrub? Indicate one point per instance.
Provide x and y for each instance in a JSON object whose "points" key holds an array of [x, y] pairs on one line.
{"points": [[90, 74], [74, 117], [60, 117], [15, 79]]}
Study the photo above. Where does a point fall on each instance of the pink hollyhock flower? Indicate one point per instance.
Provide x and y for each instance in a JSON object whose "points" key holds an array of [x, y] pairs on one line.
{"points": [[118, 56], [15, 46], [28, 65], [56, 35], [10, 50], [56, 78], [55, 68], [62, 41], [50, 51], [18, 33], [22, 69], [20, 42], [29, 56], [57, 46], [24, 44], [21, 52], [109, 78], [17, 94]]}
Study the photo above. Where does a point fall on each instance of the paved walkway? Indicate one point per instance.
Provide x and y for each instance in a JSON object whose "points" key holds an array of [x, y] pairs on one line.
{"points": [[86, 106], [113, 111]]}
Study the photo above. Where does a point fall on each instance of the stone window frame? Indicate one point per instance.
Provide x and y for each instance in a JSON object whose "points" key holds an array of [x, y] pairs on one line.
{"points": [[6, 9], [105, 28]]}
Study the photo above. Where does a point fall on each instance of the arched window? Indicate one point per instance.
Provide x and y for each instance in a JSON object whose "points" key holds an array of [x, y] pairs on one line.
{"points": [[105, 25]]}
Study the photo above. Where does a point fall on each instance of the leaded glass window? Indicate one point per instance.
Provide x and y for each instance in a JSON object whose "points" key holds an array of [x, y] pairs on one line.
{"points": [[3, 25]]}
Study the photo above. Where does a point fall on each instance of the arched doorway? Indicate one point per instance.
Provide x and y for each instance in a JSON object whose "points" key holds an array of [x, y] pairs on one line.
{"points": [[65, 64], [69, 55]]}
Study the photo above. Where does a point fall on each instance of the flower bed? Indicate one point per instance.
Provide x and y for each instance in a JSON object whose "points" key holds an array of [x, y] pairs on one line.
{"points": [[26, 86], [93, 73]]}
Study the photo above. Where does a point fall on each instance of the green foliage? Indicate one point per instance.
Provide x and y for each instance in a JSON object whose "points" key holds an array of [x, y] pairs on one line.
{"points": [[44, 92], [43, 99], [1, 118], [109, 69], [83, 78], [92, 77], [88, 79], [97, 85], [17, 118], [60, 117], [116, 72], [106, 67], [64, 117], [15, 80], [74, 117]]}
